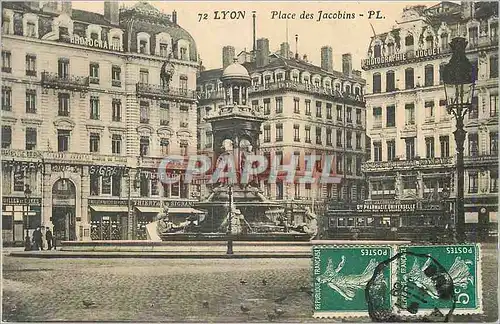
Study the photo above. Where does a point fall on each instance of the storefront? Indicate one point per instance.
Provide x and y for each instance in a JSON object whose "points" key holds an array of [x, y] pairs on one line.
{"points": [[19, 213], [390, 220], [108, 219], [481, 218]]}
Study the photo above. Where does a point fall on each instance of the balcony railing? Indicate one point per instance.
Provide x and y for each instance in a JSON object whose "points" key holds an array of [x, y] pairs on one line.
{"points": [[68, 82], [307, 88], [73, 157], [407, 164], [157, 91], [210, 95]]}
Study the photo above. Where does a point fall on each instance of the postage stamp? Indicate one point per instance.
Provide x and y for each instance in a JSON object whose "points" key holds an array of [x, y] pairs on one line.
{"points": [[461, 262], [340, 276]]}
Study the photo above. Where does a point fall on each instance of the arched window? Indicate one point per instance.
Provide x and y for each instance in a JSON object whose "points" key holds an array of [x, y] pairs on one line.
{"points": [[429, 41], [377, 51], [429, 75], [94, 36], [143, 44], [444, 41], [115, 42], [441, 69], [348, 89], [377, 83], [409, 78], [390, 48], [409, 40], [390, 81]]}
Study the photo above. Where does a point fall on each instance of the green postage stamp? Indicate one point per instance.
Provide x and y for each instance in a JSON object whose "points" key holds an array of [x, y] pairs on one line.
{"points": [[403, 281], [461, 263], [341, 274]]}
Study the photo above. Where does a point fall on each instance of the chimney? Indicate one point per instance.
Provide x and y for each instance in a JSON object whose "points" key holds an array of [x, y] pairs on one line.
{"points": [[262, 52], [111, 12], [228, 54], [174, 17], [285, 50], [254, 32], [347, 64], [66, 8], [327, 58], [34, 5]]}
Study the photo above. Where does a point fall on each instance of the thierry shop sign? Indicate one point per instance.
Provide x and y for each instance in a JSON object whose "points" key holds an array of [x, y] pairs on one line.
{"points": [[401, 57], [89, 42]]}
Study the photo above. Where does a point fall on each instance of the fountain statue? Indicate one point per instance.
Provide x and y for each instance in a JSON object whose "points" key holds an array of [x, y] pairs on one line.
{"points": [[235, 207]]}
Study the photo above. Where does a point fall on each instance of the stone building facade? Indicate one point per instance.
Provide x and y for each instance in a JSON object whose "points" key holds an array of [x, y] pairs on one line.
{"points": [[310, 110], [412, 143], [90, 105]]}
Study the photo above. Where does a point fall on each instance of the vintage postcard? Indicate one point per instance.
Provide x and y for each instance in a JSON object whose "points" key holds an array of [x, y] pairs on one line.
{"points": [[216, 161]]}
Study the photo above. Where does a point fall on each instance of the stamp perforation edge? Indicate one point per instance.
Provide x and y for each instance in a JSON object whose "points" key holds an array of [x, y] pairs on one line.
{"points": [[479, 275], [393, 269], [349, 314]]}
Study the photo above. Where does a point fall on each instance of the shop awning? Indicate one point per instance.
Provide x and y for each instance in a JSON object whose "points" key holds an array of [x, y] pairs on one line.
{"points": [[149, 209], [115, 209], [184, 211]]}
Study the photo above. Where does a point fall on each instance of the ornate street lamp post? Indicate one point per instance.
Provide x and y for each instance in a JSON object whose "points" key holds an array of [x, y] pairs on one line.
{"points": [[27, 240], [459, 77], [229, 221]]}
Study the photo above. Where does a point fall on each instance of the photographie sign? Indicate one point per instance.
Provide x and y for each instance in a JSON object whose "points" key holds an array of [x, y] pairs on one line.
{"points": [[89, 42]]}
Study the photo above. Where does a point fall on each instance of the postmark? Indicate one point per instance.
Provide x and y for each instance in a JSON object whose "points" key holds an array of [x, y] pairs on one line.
{"points": [[462, 262], [340, 276], [418, 294]]}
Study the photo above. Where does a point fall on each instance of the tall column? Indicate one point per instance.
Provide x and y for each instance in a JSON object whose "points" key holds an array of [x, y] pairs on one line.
{"points": [[84, 211], [231, 101], [459, 139], [131, 215], [240, 90], [47, 197]]}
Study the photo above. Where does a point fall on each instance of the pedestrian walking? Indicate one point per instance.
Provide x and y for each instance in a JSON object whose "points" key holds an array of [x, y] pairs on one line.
{"points": [[48, 237], [37, 239]]}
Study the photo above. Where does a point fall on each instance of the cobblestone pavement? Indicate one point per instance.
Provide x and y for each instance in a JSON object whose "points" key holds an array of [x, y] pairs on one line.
{"points": [[175, 289]]}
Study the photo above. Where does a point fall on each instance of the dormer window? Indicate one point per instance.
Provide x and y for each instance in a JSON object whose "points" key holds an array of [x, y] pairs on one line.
{"points": [[377, 50], [444, 41], [306, 80], [115, 41], [30, 29], [163, 50], [184, 53], [143, 46], [6, 26], [63, 32], [409, 40], [316, 82], [429, 41], [390, 48], [279, 77], [94, 36]]}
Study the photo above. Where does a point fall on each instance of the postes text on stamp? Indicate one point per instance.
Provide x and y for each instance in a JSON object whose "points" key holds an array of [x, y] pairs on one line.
{"points": [[340, 275], [462, 262]]}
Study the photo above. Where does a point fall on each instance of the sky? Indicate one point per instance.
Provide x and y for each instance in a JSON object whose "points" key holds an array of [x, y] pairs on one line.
{"points": [[343, 35]]}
